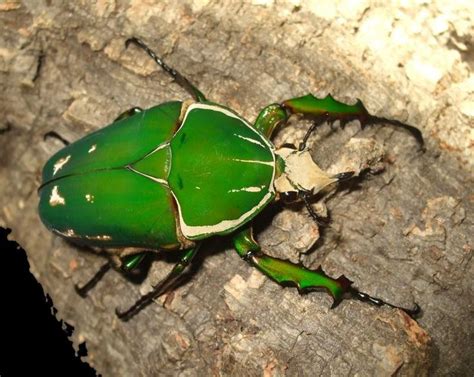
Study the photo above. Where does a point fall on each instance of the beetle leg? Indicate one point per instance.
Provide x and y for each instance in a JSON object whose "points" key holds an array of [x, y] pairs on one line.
{"points": [[55, 135], [126, 264], [124, 115], [83, 290], [316, 124], [178, 77], [270, 118], [130, 262], [329, 109], [162, 287], [306, 196], [320, 221], [128, 113], [284, 272]]}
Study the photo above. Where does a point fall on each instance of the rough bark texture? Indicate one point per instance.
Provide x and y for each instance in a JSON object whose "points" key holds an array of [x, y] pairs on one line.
{"points": [[404, 234]]}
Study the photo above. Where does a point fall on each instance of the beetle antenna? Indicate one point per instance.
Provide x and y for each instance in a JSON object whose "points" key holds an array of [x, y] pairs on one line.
{"points": [[178, 77]]}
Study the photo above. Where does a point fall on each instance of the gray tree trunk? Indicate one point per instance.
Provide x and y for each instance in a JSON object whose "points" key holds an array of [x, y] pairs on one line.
{"points": [[404, 235]]}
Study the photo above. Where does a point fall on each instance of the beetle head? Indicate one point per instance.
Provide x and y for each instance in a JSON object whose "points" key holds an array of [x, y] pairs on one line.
{"points": [[299, 175]]}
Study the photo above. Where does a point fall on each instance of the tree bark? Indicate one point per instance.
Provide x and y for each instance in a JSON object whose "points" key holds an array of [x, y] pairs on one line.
{"points": [[404, 235]]}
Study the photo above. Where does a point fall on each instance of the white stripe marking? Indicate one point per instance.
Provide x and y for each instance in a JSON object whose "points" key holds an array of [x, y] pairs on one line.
{"points": [[229, 114], [66, 233], [161, 146], [159, 180], [250, 140], [100, 237], [55, 198], [248, 189], [61, 162], [194, 231], [90, 198], [269, 163]]}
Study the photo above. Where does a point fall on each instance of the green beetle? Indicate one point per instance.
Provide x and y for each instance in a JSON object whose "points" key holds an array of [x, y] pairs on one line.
{"points": [[171, 176]]}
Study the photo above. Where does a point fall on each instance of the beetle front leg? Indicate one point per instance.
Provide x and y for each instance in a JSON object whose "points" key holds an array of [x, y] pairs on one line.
{"points": [[270, 118], [162, 287], [328, 109], [284, 272]]}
